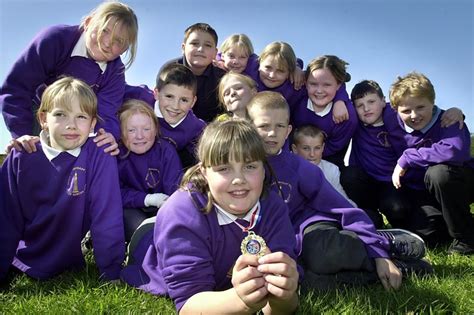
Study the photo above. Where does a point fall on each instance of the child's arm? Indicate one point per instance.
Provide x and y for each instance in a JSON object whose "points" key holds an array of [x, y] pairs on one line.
{"points": [[247, 296], [388, 273], [106, 215], [341, 101], [281, 277]]}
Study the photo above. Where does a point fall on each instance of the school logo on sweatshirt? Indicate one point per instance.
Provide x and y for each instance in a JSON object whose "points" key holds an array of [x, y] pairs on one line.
{"points": [[152, 178], [382, 137], [171, 141], [424, 143], [76, 183], [283, 189]]}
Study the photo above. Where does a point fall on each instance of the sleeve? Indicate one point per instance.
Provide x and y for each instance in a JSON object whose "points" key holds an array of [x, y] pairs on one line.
{"points": [[322, 197], [454, 148], [11, 216], [32, 68], [131, 198], [182, 239], [252, 66], [172, 169], [341, 133], [106, 213], [110, 98], [341, 95]]}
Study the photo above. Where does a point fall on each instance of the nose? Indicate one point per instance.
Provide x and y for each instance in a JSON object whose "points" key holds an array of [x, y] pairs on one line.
{"points": [[239, 178], [413, 114], [271, 74], [233, 93], [366, 108], [312, 153], [71, 124], [139, 134]]}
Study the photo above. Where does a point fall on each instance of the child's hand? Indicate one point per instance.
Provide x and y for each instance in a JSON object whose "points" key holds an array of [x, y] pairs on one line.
{"points": [[249, 283], [104, 138], [219, 64], [339, 112], [388, 273], [280, 274], [452, 116], [297, 78], [24, 142], [397, 173]]}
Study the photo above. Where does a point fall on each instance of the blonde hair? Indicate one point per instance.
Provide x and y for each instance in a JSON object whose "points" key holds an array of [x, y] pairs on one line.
{"points": [[284, 54], [268, 100], [241, 77], [124, 15], [130, 108], [240, 40], [220, 143], [413, 84], [62, 93], [334, 64], [308, 131]]}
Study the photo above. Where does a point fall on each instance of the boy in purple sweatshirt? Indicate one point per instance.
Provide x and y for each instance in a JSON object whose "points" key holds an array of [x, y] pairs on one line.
{"points": [[434, 162], [332, 236], [41, 226], [90, 52], [173, 98]]}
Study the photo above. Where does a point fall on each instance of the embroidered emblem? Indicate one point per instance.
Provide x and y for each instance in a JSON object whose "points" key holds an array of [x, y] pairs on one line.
{"points": [[76, 183], [152, 178], [382, 137], [284, 189]]}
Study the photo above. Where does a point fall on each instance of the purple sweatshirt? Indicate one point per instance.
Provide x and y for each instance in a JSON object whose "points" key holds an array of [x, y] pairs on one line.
{"points": [[371, 149], [311, 198], [46, 59], [183, 136], [420, 149], [337, 135], [191, 252], [156, 171], [50, 205]]}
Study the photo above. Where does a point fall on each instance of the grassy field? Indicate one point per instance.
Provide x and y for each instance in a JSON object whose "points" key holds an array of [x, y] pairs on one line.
{"points": [[450, 290]]}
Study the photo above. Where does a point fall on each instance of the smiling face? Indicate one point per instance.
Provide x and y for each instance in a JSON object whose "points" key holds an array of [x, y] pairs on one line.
{"points": [[310, 148], [272, 126], [236, 95], [68, 126], [235, 59], [108, 43], [140, 133], [272, 73], [322, 87], [235, 186], [175, 102], [199, 51], [416, 112], [369, 108]]}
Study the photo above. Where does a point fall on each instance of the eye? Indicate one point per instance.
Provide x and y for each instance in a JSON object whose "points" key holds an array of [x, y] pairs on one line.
{"points": [[59, 114], [184, 100], [131, 130], [251, 166], [169, 96], [221, 168], [83, 117]]}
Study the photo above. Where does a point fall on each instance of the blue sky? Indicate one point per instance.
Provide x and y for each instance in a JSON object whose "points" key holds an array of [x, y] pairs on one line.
{"points": [[380, 39]]}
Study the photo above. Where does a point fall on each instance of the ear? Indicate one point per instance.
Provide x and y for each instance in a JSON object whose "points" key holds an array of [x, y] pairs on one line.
{"points": [[156, 93], [87, 22], [290, 127], [203, 170], [93, 123], [42, 120], [182, 47], [293, 148], [194, 101]]}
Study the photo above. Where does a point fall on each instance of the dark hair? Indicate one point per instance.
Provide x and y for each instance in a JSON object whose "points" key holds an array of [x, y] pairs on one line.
{"points": [[365, 87], [203, 27], [178, 74]]}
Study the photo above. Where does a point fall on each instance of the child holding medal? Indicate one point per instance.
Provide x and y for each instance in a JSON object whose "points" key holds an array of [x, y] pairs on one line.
{"points": [[222, 243]]}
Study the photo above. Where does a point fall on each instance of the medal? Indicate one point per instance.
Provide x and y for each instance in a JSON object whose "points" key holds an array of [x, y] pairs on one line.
{"points": [[253, 244]]}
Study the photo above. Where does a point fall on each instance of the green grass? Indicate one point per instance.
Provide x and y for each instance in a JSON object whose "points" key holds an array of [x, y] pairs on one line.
{"points": [[450, 290]]}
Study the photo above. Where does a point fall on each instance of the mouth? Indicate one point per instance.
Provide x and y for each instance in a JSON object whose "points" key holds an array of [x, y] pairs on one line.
{"points": [[71, 137], [173, 113], [239, 193]]}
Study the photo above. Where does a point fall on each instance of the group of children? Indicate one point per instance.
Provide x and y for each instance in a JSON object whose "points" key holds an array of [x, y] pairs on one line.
{"points": [[260, 207]]}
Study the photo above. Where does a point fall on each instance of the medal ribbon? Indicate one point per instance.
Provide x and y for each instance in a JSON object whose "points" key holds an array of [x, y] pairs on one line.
{"points": [[254, 219]]}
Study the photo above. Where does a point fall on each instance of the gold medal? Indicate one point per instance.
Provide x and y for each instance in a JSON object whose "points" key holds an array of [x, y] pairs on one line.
{"points": [[253, 244]]}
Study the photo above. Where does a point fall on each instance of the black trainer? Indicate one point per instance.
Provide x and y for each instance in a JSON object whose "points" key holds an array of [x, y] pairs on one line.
{"points": [[461, 248], [419, 267], [404, 244]]}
